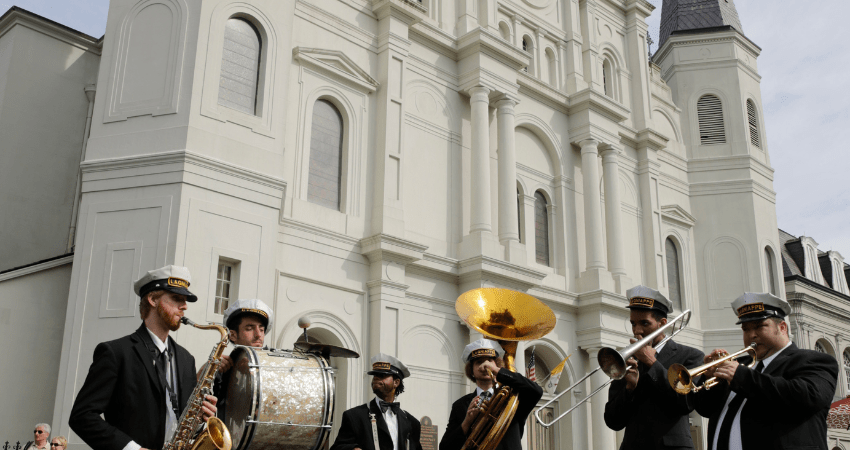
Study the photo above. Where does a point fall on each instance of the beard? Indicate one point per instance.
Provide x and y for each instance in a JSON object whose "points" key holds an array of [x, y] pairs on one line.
{"points": [[172, 321]]}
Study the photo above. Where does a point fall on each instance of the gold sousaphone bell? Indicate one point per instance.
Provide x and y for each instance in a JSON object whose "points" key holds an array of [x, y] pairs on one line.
{"points": [[507, 317]]}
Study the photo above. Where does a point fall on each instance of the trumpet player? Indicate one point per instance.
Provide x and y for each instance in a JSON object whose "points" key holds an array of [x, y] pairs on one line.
{"points": [[484, 366], [138, 385], [782, 402], [643, 402]]}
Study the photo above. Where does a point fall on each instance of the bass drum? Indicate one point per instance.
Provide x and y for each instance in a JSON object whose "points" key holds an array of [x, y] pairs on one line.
{"points": [[278, 400]]}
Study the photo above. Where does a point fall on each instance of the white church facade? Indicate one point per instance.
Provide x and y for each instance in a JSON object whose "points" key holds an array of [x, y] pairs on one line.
{"points": [[363, 163]]}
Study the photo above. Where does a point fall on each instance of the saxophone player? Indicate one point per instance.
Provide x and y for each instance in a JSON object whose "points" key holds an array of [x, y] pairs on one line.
{"points": [[483, 359], [138, 385]]}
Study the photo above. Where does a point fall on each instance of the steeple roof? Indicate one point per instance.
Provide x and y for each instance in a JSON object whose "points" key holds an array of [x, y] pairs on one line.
{"points": [[681, 15]]}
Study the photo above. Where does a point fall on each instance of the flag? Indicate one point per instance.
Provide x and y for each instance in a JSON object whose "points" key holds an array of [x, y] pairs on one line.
{"points": [[555, 376], [529, 371]]}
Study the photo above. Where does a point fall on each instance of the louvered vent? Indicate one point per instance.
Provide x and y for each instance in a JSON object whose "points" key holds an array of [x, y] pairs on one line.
{"points": [[754, 124], [710, 115]]}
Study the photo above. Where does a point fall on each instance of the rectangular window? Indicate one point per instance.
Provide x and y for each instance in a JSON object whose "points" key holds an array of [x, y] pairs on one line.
{"points": [[224, 284]]}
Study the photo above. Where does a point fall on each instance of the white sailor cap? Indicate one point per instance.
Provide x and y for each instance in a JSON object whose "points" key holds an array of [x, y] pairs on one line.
{"points": [[482, 348], [174, 279], [384, 364], [247, 306], [642, 297], [758, 306]]}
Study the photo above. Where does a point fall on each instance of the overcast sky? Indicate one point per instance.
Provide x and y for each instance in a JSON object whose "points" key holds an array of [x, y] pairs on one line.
{"points": [[805, 69]]}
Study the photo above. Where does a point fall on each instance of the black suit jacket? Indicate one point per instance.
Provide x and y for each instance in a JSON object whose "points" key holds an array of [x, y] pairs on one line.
{"points": [[356, 430], [528, 392], [654, 415], [123, 385], [786, 404]]}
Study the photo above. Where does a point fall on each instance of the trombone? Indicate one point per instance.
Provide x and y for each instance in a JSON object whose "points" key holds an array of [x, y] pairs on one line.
{"points": [[613, 364], [682, 379]]}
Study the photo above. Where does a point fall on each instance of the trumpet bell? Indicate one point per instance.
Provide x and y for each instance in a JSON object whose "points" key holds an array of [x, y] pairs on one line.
{"points": [[505, 315], [680, 379]]}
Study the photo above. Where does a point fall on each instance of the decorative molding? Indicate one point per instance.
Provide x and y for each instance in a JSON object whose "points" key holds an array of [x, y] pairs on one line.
{"points": [[24, 271], [117, 108], [18, 16], [675, 213], [336, 65], [383, 246]]}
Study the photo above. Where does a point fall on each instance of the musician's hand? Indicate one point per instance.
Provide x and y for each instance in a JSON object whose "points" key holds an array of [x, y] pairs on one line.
{"points": [[471, 413], [208, 407], [645, 354], [226, 364], [713, 356], [726, 371], [632, 374], [490, 365]]}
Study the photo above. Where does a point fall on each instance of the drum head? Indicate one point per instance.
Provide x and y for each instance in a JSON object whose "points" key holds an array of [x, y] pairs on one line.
{"points": [[242, 397]]}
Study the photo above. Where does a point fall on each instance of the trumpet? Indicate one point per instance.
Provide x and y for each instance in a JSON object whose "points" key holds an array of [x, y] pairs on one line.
{"points": [[682, 379], [613, 363]]}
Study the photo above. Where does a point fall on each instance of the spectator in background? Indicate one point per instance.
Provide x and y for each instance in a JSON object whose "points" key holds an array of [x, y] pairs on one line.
{"points": [[59, 443], [41, 433]]}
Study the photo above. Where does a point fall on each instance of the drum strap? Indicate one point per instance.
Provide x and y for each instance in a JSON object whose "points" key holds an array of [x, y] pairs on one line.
{"points": [[375, 431]]}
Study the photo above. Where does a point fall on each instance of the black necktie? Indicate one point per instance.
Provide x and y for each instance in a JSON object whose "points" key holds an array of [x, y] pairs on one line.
{"points": [[163, 361], [387, 405], [731, 412]]}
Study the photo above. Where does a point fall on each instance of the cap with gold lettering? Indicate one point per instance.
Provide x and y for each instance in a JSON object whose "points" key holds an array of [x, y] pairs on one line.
{"points": [[384, 364], [247, 306], [174, 279], [758, 306], [642, 297], [482, 348]]}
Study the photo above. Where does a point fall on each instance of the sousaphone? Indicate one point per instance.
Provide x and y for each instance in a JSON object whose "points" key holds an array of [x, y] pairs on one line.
{"points": [[507, 317]]}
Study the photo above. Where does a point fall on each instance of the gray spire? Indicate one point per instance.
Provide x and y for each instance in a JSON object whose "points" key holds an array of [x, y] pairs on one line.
{"points": [[678, 15]]}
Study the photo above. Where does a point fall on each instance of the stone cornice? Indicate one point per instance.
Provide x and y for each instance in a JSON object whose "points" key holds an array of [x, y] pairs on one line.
{"points": [[37, 267], [481, 40], [383, 246], [593, 100], [337, 65], [19, 16], [483, 267], [695, 37], [408, 11]]}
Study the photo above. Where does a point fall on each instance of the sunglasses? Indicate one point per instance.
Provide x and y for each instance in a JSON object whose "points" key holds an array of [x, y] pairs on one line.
{"points": [[38, 431], [56, 445]]}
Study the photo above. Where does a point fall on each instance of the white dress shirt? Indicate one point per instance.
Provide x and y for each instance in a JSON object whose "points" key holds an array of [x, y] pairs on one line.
{"points": [[170, 418], [392, 423], [735, 432]]}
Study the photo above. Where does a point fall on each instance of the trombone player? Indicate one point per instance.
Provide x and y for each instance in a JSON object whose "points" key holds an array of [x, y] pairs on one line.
{"points": [[783, 401], [643, 402], [483, 359]]}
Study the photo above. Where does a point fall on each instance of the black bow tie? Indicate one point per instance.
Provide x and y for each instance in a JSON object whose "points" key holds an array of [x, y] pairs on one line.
{"points": [[387, 405]]}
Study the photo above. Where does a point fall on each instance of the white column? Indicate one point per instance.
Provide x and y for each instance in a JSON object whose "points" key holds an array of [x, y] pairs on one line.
{"points": [[614, 219], [592, 209], [508, 221], [603, 437], [480, 207]]}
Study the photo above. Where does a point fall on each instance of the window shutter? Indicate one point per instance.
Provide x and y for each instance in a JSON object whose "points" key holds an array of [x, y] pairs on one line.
{"points": [[325, 156], [673, 274], [754, 124], [240, 65], [771, 273], [710, 116], [541, 229]]}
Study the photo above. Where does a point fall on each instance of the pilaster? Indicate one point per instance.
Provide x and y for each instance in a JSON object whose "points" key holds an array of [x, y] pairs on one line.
{"points": [[648, 172], [614, 220], [596, 275], [508, 220]]}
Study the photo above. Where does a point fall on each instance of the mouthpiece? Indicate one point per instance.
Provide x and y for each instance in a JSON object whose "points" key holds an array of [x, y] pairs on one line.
{"points": [[187, 321]]}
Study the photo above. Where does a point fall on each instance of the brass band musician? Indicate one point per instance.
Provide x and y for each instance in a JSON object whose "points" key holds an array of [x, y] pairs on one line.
{"points": [[483, 359], [643, 402], [782, 402]]}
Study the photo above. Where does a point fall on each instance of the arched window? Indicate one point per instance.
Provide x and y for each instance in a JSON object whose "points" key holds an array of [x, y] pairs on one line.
{"points": [[846, 357], [710, 117], [505, 31], [820, 348], [607, 78], [541, 229], [528, 46], [552, 65], [325, 176], [673, 276], [753, 120], [771, 271], [240, 66]]}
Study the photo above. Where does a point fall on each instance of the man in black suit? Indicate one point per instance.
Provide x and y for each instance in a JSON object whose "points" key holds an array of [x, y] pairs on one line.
{"points": [[782, 402], [380, 424], [141, 383], [483, 359], [643, 402]]}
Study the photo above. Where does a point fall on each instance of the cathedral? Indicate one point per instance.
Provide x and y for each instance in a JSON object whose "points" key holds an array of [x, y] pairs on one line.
{"points": [[362, 163]]}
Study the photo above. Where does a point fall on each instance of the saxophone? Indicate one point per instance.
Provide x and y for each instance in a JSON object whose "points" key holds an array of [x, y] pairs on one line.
{"points": [[215, 435]]}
